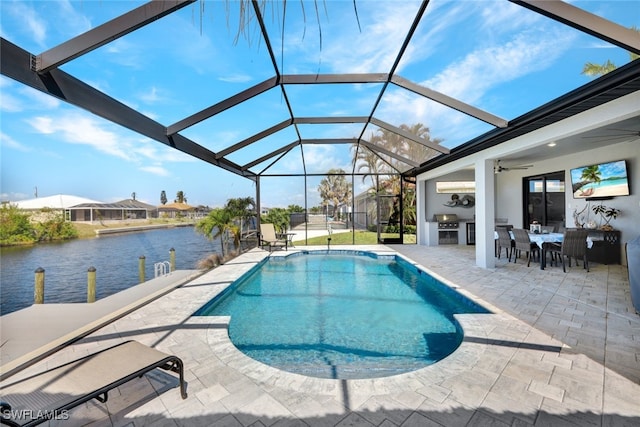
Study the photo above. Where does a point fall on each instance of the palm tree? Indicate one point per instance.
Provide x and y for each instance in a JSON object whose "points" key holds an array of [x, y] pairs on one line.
{"points": [[597, 70], [416, 151], [244, 209], [219, 223], [367, 160], [409, 149], [335, 189], [591, 174], [279, 217], [180, 197]]}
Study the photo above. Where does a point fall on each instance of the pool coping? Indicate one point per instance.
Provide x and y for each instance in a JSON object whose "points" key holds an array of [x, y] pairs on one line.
{"points": [[520, 364], [466, 355]]}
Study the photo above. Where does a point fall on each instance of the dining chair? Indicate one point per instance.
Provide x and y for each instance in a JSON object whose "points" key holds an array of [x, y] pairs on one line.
{"points": [[504, 241], [523, 243], [574, 245]]}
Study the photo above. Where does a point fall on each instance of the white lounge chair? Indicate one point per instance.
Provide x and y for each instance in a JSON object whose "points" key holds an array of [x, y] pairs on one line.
{"points": [[268, 237], [50, 394]]}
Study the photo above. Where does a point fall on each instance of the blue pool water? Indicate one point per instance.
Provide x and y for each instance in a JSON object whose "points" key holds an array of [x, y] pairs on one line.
{"points": [[342, 314]]}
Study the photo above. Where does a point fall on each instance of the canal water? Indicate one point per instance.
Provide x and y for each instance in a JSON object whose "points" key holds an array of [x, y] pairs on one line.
{"points": [[115, 258]]}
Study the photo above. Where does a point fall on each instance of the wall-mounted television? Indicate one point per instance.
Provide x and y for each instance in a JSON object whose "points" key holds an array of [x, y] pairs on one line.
{"points": [[601, 180]]}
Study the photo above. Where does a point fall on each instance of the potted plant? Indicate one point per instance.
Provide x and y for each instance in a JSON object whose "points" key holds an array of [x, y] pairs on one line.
{"points": [[606, 215]]}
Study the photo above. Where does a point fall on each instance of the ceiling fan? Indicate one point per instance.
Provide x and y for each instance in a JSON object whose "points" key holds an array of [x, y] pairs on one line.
{"points": [[499, 168], [616, 134]]}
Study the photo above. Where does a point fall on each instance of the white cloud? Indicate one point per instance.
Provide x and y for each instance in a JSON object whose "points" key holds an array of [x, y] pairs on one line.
{"points": [[39, 100], [487, 67], [127, 54], [475, 75], [82, 130], [32, 23], [507, 17], [323, 157], [10, 104], [7, 141], [371, 50], [153, 95], [162, 153], [70, 20], [236, 78], [15, 197], [155, 170], [18, 97]]}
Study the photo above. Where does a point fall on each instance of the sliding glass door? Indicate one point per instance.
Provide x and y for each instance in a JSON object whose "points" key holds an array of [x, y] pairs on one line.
{"points": [[544, 199]]}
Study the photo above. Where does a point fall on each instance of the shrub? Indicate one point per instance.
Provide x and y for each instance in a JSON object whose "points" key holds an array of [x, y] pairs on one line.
{"points": [[15, 227], [211, 261]]}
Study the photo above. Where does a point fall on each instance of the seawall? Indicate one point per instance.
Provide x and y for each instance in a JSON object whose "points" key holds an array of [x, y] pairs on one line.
{"points": [[136, 228]]}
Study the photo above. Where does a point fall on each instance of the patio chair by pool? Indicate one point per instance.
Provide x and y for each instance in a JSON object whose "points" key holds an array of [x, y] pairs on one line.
{"points": [[268, 237], [574, 244], [523, 243], [504, 241], [50, 394]]}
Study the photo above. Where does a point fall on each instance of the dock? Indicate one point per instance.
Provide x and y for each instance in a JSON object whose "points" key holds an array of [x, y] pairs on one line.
{"points": [[33, 333]]}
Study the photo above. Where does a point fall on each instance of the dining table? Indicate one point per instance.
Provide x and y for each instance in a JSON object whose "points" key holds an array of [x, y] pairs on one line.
{"points": [[541, 238]]}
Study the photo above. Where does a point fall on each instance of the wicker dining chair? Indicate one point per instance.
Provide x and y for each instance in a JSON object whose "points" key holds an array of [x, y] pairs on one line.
{"points": [[504, 241], [574, 245], [523, 243]]}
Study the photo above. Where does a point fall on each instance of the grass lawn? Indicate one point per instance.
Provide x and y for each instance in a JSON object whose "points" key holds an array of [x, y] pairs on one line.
{"points": [[361, 238]]}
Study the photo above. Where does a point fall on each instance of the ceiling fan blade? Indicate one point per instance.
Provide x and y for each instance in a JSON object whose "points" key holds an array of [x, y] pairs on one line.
{"points": [[614, 134], [624, 130], [612, 138]]}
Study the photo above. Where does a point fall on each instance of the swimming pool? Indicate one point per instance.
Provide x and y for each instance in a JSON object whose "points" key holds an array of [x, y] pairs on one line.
{"points": [[342, 314]]}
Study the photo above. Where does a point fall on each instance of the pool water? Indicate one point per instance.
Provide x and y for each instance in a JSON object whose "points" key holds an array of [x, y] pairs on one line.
{"points": [[335, 315]]}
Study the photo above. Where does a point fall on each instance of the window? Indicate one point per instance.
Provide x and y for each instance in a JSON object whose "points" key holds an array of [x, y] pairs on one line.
{"points": [[544, 199]]}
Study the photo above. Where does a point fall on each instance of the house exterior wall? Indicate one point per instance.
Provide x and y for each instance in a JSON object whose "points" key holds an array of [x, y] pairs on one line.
{"points": [[507, 186]]}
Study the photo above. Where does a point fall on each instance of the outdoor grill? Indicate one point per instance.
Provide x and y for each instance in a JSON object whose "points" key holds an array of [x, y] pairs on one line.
{"points": [[446, 221], [447, 228]]}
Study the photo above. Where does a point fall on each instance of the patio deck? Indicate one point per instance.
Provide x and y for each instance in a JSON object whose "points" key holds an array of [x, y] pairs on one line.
{"points": [[560, 349]]}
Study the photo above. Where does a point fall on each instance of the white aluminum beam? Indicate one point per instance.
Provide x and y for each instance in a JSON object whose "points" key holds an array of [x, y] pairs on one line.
{"points": [[254, 138], [105, 33], [456, 104], [304, 79], [377, 150], [585, 21], [222, 106], [408, 135], [274, 153], [329, 120], [14, 63], [330, 141]]}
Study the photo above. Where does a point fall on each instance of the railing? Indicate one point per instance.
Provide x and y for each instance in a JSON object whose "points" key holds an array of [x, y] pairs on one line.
{"points": [[161, 268]]}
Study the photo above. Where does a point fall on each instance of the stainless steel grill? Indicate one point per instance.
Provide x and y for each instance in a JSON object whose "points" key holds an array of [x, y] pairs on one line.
{"points": [[447, 228], [446, 221]]}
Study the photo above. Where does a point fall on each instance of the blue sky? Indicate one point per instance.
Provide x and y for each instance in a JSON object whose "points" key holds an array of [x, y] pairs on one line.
{"points": [[493, 55]]}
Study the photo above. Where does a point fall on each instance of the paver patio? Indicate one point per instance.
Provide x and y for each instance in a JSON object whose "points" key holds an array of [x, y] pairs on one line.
{"points": [[559, 349]]}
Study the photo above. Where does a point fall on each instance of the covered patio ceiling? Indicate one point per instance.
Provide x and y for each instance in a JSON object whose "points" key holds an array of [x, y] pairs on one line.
{"points": [[300, 81]]}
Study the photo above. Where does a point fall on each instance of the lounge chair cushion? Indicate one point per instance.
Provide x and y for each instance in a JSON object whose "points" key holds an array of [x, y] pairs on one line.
{"points": [[64, 387]]}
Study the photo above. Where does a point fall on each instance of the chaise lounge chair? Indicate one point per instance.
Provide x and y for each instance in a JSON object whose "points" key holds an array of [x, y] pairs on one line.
{"points": [[268, 237], [51, 394]]}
